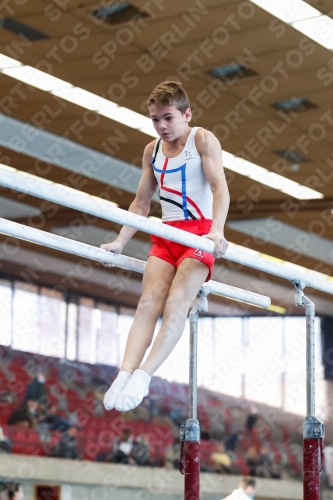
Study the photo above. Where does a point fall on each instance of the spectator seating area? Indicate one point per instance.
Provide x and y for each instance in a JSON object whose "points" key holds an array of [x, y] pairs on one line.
{"points": [[78, 389], [93, 440]]}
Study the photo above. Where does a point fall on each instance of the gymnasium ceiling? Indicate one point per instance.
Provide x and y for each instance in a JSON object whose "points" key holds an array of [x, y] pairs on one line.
{"points": [[123, 60]]}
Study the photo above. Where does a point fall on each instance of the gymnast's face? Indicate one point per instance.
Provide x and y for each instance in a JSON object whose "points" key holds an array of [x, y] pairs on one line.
{"points": [[169, 122]]}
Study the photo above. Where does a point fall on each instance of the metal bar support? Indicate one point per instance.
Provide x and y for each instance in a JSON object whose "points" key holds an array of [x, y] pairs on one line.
{"points": [[313, 427], [190, 430]]}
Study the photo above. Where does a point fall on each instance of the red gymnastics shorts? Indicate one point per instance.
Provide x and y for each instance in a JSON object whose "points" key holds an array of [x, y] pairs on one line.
{"points": [[175, 253]]}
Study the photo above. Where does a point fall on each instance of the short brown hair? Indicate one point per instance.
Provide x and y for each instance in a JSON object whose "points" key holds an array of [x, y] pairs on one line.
{"points": [[170, 93], [247, 481]]}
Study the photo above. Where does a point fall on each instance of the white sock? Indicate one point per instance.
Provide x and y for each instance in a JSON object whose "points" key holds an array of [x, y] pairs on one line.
{"points": [[135, 390], [117, 386]]}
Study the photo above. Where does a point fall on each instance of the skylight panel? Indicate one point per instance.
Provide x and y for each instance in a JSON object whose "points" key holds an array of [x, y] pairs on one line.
{"points": [[84, 98], [268, 178], [8, 62], [36, 78], [303, 17], [288, 11], [126, 117], [319, 29]]}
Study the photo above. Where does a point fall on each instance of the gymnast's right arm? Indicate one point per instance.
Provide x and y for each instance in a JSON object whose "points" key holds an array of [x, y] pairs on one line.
{"points": [[141, 203]]}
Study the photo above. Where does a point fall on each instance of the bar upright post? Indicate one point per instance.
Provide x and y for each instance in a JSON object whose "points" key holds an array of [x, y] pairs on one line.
{"points": [[190, 430], [313, 427]]}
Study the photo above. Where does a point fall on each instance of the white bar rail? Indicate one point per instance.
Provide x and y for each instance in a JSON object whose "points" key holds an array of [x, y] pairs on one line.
{"points": [[62, 195], [50, 240], [232, 292]]}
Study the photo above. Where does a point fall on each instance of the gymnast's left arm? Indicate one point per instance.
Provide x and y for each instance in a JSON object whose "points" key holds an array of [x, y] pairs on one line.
{"points": [[210, 151]]}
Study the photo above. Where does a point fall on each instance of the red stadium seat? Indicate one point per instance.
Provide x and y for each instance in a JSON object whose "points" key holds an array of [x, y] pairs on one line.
{"points": [[18, 448]]}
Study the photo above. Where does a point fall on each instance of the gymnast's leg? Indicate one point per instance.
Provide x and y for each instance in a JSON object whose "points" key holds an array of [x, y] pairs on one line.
{"points": [[190, 275], [156, 284]]}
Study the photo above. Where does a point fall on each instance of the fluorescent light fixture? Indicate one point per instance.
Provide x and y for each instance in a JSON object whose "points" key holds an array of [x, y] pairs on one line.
{"points": [[8, 62], [272, 307], [129, 118], [303, 17], [109, 109], [268, 178], [126, 117], [288, 11], [271, 258], [36, 78], [83, 98], [320, 29], [277, 309], [148, 128]]}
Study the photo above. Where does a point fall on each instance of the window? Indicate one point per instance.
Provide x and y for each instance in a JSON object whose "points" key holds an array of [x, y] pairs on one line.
{"points": [[5, 312], [107, 349], [264, 360], [39, 320], [87, 331], [52, 323], [229, 364], [206, 353], [259, 358], [26, 314], [72, 323]]}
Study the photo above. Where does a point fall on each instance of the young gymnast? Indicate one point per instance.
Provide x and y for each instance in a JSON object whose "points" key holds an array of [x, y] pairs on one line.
{"points": [[186, 165]]}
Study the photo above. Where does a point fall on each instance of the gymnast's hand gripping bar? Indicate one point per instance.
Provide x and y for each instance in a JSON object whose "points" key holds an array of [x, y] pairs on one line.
{"points": [[50, 240], [77, 200]]}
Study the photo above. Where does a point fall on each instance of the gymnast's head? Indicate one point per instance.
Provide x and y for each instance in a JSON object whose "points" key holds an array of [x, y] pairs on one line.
{"points": [[169, 109]]}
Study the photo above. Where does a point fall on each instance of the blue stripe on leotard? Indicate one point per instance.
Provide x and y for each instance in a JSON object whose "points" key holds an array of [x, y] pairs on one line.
{"points": [[181, 169]]}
